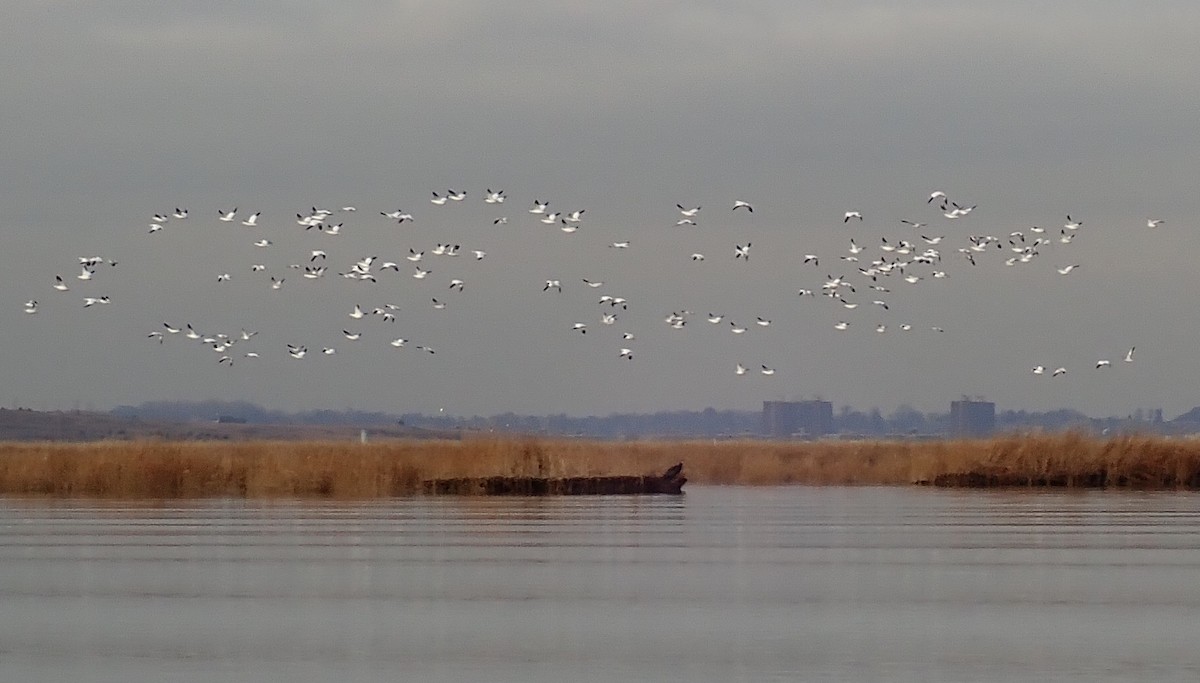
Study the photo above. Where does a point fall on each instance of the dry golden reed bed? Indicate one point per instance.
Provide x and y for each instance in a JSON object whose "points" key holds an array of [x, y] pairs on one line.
{"points": [[257, 469]]}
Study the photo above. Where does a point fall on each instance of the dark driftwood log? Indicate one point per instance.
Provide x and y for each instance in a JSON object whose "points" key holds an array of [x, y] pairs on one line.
{"points": [[669, 483], [1096, 479]]}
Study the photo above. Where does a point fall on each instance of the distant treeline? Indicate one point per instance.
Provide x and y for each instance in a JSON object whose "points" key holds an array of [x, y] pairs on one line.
{"points": [[707, 423], [191, 411]]}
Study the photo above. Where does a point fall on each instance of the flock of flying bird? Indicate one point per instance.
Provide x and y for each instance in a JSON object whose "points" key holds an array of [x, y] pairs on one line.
{"points": [[898, 263]]}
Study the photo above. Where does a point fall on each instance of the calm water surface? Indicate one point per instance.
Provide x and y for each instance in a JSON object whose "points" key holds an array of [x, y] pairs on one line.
{"points": [[723, 584]]}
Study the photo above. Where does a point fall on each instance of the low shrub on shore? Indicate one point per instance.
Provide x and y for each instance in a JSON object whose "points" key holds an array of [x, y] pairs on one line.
{"points": [[256, 469]]}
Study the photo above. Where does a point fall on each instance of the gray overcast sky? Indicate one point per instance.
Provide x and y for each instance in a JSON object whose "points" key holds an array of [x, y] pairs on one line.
{"points": [[114, 111]]}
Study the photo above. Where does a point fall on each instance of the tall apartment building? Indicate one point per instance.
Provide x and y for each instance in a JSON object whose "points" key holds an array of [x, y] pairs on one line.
{"points": [[972, 418], [785, 419]]}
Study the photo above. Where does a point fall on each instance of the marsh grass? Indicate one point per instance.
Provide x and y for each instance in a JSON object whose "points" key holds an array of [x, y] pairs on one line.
{"points": [[264, 469]]}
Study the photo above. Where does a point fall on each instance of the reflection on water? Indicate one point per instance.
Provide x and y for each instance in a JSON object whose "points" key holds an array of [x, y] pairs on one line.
{"points": [[723, 584]]}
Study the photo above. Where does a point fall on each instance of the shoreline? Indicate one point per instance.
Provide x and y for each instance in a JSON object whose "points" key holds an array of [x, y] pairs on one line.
{"points": [[152, 469]]}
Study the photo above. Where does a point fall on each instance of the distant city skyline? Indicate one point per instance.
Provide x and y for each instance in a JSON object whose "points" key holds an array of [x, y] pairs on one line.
{"points": [[806, 111]]}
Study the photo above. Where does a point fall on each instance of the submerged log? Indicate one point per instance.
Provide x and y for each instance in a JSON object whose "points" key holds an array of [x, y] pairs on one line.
{"points": [[1083, 480], [670, 483]]}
